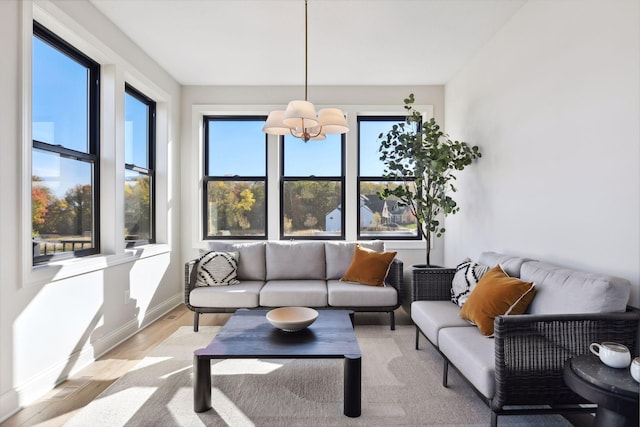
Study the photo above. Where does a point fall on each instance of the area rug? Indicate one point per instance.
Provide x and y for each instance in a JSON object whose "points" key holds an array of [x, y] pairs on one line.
{"points": [[400, 386]]}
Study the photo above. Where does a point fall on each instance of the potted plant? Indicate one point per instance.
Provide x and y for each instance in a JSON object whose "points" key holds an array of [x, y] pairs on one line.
{"points": [[424, 160]]}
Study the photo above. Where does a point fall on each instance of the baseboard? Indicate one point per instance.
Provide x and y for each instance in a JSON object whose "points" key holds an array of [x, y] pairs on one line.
{"points": [[39, 385], [9, 404]]}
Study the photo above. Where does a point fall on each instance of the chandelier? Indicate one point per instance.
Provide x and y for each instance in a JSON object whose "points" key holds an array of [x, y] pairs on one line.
{"points": [[300, 118]]}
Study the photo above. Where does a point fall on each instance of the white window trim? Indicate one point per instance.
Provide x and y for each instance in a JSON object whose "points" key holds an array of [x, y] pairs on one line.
{"points": [[114, 72]]}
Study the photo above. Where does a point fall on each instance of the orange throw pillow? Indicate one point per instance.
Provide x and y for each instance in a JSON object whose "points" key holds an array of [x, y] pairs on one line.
{"points": [[368, 267], [496, 294]]}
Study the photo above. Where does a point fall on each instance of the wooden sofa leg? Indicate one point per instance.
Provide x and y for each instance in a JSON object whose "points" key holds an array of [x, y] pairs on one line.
{"points": [[392, 320], [445, 373], [417, 338], [196, 321]]}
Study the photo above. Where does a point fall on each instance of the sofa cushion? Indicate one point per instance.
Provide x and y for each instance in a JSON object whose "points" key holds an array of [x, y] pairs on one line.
{"points": [[496, 294], [466, 278], [251, 259], [431, 316], [217, 269], [562, 290], [511, 264], [295, 260], [339, 255], [291, 293], [351, 294], [368, 267], [246, 294], [473, 355]]}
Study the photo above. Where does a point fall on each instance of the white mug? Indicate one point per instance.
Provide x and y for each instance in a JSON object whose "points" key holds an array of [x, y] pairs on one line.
{"points": [[612, 354], [635, 369]]}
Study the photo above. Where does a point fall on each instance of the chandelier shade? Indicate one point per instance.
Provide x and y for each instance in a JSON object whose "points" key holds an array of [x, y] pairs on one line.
{"points": [[274, 126], [300, 114], [300, 118]]}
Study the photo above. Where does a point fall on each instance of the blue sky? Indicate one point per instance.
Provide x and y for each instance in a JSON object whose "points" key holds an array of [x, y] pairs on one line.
{"points": [[238, 148], [59, 117]]}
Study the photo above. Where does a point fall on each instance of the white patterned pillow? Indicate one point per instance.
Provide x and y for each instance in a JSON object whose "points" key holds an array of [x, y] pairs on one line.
{"points": [[217, 269], [468, 273]]}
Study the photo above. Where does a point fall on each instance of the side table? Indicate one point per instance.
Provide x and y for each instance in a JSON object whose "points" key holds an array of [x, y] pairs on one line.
{"points": [[613, 390]]}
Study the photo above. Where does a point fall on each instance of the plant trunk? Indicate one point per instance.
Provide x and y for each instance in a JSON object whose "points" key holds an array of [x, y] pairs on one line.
{"points": [[427, 236]]}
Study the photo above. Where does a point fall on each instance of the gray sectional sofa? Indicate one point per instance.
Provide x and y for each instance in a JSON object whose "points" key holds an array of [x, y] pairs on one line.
{"points": [[300, 273], [520, 370]]}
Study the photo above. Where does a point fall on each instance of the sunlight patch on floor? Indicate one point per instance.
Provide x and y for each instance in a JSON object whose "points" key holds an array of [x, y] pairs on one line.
{"points": [[150, 361], [128, 402], [167, 376], [228, 411], [243, 367]]}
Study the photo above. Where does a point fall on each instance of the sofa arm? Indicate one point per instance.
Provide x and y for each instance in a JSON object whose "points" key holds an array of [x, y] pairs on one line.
{"points": [[189, 280], [531, 350], [394, 277], [432, 284]]}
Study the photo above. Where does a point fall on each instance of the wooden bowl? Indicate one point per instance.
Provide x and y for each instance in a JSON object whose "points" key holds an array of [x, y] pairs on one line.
{"points": [[292, 319]]}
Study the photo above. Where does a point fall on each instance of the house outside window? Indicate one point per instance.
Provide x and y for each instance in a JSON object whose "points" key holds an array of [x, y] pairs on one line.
{"points": [[312, 188], [139, 157], [65, 161], [378, 218], [235, 181]]}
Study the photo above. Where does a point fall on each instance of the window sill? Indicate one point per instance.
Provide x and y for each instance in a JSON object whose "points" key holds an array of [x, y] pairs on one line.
{"points": [[52, 272]]}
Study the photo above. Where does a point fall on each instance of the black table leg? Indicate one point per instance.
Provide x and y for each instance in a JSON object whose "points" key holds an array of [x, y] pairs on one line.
{"points": [[608, 418], [202, 384], [352, 385]]}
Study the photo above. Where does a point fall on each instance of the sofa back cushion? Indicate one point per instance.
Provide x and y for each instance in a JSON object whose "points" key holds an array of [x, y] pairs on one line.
{"points": [[295, 260], [511, 264], [251, 258], [340, 254], [562, 290]]}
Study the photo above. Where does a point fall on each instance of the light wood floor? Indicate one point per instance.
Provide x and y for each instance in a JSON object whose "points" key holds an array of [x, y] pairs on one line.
{"points": [[62, 403]]}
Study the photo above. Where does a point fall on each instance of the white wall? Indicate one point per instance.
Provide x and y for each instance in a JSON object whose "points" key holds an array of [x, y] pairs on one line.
{"points": [[197, 101], [554, 102], [56, 319]]}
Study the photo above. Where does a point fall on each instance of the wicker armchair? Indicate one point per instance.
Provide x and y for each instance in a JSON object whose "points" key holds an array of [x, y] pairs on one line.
{"points": [[531, 350]]}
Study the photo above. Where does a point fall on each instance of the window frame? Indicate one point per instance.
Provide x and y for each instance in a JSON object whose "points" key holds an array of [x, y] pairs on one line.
{"points": [[92, 156], [363, 178], [150, 170], [311, 178], [206, 119]]}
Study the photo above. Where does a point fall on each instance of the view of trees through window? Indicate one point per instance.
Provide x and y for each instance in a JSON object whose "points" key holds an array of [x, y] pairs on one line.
{"points": [[312, 208], [64, 154], [312, 187], [236, 208], [311, 181], [379, 218], [139, 144], [235, 177]]}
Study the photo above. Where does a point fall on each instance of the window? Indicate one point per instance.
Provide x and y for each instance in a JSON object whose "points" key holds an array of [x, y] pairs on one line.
{"points": [[65, 166], [139, 157], [235, 181], [312, 188], [379, 219]]}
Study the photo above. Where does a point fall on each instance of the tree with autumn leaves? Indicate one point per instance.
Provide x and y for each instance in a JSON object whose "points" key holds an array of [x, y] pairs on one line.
{"points": [[68, 216]]}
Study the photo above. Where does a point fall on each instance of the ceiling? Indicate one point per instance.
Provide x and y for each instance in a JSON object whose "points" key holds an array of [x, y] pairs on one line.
{"points": [[351, 42]]}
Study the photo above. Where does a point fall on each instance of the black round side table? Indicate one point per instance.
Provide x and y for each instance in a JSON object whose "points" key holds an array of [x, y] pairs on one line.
{"points": [[613, 390]]}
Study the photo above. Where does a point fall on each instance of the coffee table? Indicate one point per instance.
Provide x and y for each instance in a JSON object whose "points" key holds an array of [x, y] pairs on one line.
{"points": [[614, 390], [248, 335]]}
